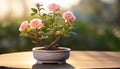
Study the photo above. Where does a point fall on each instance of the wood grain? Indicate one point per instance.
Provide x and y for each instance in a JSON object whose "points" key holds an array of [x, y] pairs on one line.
{"points": [[77, 60]]}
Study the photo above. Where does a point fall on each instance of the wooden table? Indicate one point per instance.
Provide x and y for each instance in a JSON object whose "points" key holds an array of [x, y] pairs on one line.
{"points": [[77, 60]]}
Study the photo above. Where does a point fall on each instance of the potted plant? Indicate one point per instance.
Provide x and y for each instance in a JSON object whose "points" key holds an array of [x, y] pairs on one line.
{"points": [[46, 31]]}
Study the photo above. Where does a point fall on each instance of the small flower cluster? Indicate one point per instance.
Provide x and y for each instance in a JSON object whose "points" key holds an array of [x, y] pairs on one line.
{"points": [[34, 24], [47, 26]]}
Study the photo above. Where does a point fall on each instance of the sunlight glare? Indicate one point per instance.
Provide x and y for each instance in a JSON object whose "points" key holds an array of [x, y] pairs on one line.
{"points": [[16, 6], [65, 4]]}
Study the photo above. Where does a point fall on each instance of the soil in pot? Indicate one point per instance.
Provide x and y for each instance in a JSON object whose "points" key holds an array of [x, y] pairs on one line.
{"points": [[55, 47]]}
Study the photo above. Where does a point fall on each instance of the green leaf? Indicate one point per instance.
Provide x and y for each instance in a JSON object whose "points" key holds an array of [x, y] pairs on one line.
{"points": [[21, 34], [44, 14], [63, 29], [66, 35], [73, 33], [59, 14], [48, 28], [57, 32], [70, 28], [24, 34], [42, 9], [32, 14], [34, 10], [44, 37], [51, 20], [34, 42]]}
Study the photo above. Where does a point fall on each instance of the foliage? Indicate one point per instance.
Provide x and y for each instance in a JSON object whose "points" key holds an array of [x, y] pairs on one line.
{"points": [[49, 28], [86, 37]]}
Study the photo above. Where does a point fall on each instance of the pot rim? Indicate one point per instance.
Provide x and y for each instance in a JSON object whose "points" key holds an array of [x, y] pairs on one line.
{"points": [[66, 49]]}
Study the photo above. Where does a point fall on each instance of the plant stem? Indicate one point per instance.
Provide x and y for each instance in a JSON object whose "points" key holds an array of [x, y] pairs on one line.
{"points": [[39, 12], [57, 39], [54, 16], [38, 8]]}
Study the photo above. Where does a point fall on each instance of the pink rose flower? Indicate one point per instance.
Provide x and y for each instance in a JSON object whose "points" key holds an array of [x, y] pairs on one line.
{"points": [[54, 7], [68, 16], [23, 26], [35, 23], [37, 5]]}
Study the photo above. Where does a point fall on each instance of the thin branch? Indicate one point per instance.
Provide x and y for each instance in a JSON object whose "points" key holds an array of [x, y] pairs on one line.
{"points": [[57, 39]]}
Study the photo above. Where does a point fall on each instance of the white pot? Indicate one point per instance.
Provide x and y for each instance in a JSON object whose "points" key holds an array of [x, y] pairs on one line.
{"points": [[51, 56]]}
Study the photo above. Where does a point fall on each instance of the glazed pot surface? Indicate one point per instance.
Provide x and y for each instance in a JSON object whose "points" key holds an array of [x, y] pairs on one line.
{"points": [[51, 56]]}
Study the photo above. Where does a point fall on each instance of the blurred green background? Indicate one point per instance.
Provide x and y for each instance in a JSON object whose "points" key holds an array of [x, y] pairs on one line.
{"points": [[97, 27]]}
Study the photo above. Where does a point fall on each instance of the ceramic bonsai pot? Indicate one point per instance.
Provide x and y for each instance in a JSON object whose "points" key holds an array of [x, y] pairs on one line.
{"points": [[51, 56]]}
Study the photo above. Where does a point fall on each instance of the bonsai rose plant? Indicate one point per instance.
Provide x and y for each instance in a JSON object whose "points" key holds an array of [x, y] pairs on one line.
{"points": [[48, 28], [46, 31]]}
